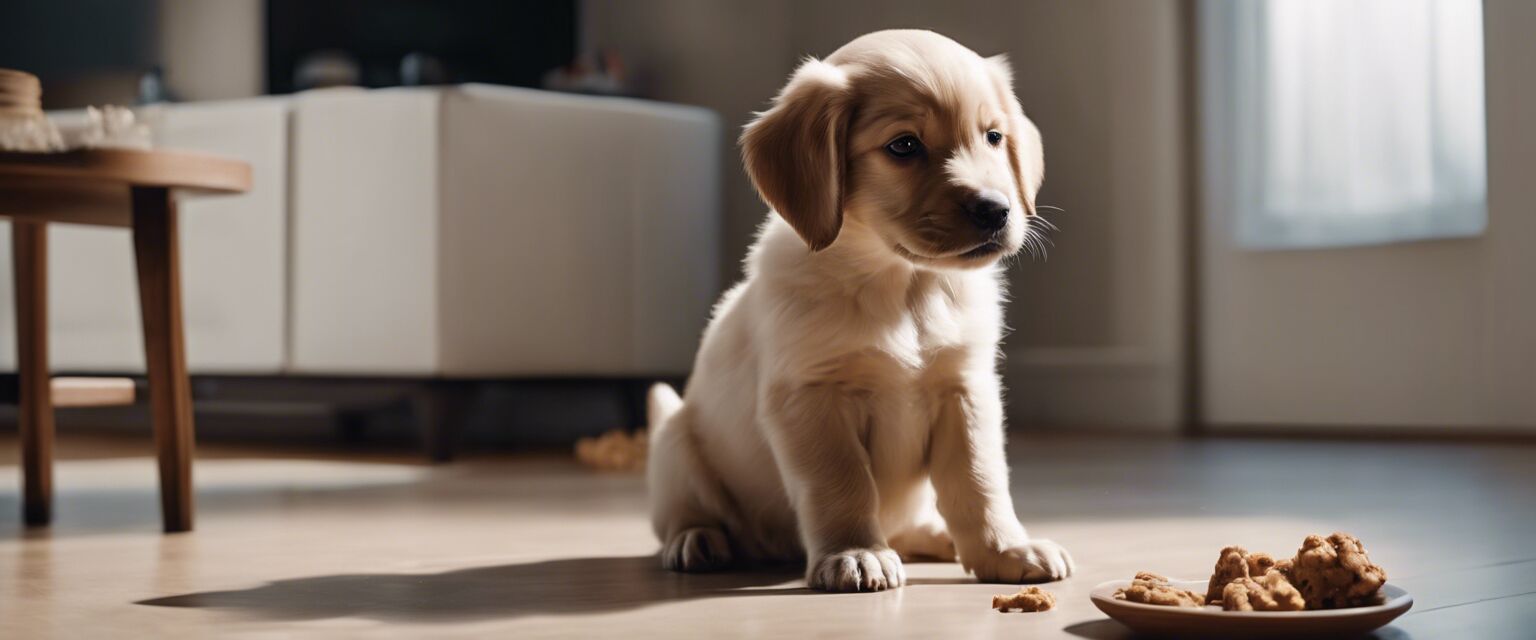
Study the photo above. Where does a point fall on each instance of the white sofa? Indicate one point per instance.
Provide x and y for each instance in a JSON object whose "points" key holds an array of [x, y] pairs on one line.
{"points": [[463, 232]]}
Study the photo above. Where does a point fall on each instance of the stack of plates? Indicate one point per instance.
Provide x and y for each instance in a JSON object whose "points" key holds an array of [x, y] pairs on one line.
{"points": [[23, 127]]}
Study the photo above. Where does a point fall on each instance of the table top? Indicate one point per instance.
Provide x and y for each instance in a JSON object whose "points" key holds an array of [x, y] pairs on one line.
{"points": [[129, 167]]}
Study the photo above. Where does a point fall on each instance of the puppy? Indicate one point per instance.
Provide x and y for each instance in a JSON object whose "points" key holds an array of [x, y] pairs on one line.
{"points": [[845, 406]]}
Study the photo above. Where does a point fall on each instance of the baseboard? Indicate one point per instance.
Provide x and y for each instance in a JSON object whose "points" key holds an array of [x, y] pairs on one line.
{"points": [[1522, 434], [1092, 389]]}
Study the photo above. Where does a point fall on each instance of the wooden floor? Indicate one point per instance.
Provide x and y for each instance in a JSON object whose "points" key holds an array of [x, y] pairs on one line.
{"points": [[305, 546]]}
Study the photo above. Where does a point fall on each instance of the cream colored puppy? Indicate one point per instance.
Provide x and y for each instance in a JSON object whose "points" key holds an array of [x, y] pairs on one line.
{"points": [[845, 406]]}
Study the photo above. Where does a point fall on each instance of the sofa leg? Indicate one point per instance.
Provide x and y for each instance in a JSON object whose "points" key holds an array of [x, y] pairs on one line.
{"points": [[351, 426], [439, 410], [635, 392]]}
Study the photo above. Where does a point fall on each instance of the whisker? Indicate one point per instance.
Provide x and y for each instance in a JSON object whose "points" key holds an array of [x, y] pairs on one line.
{"points": [[1041, 240]]}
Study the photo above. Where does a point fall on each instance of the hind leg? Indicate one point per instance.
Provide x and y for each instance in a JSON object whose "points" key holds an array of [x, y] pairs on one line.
{"points": [[927, 537], [696, 549], [925, 542], [685, 503]]}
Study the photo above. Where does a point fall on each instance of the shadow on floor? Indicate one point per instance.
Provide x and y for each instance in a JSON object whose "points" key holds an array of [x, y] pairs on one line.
{"points": [[552, 587], [1100, 630]]}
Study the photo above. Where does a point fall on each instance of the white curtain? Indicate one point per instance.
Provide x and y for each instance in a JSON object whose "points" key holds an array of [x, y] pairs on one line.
{"points": [[1344, 122]]}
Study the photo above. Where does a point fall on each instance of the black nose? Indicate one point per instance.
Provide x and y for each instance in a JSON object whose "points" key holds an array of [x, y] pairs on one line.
{"points": [[988, 209]]}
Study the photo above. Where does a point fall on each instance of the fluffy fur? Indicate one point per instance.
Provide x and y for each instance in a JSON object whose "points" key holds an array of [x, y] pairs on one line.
{"points": [[845, 407]]}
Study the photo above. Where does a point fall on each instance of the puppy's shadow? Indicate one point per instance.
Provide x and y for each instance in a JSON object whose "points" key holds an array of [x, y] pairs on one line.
{"points": [[552, 587]]}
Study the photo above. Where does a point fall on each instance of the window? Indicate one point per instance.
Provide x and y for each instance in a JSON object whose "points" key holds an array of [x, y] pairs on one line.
{"points": [[1345, 122]]}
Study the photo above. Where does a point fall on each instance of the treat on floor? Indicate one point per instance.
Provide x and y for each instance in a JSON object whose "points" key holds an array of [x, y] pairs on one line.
{"points": [[613, 451], [1027, 600], [1235, 563], [1271, 592], [1335, 572], [1150, 588]]}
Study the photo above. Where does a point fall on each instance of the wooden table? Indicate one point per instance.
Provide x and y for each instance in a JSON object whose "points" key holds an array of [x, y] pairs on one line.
{"points": [[120, 188]]}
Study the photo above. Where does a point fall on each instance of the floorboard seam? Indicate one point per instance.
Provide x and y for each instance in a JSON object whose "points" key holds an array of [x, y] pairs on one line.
{"points": [[1463, 604], [1503, 563]]}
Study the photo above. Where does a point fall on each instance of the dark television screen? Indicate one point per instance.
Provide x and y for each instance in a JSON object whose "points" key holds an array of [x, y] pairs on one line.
{"points": [[496, 41]]}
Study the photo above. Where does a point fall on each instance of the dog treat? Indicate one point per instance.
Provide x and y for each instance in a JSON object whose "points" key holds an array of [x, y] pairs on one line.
{"points": [[1335, 572], [1235, 563], [613, 451], [1272, 592], [1150, 588], [1027, 600], [1284, 566]]}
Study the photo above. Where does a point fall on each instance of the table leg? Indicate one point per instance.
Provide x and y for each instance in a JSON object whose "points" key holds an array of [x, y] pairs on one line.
{"points": [[29, 255], [170, 394], [439, 409]]}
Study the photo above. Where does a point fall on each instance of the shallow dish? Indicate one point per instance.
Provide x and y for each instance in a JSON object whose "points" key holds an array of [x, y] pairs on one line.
{"points": [[1211, 622]]}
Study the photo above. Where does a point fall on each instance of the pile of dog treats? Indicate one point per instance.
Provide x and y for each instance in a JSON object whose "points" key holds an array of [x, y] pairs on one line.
{"points": [[1327, 573]]}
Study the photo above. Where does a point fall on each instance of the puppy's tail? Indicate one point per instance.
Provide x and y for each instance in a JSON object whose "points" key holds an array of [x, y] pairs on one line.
{"points": [[661, 403]]}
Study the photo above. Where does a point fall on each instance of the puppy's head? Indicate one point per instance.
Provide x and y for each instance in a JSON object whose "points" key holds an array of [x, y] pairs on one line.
{"points": [[912, 135]]}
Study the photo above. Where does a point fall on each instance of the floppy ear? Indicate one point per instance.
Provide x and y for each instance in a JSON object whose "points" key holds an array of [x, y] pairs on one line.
{"points": [[794, 151], [1025, 151]]}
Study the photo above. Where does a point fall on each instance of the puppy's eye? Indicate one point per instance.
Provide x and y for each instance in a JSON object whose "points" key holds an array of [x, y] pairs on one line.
{"points": [[904, 147], [994, 138]]}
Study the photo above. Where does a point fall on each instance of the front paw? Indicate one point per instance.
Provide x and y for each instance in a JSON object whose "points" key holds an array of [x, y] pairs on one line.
{"points": [[856, 570], [1037, 560]]}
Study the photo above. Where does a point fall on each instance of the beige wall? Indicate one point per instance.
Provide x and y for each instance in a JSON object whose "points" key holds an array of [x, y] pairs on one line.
{"points": [[1098, 329], [728, 56], [1427, 334], [213, 49]]}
